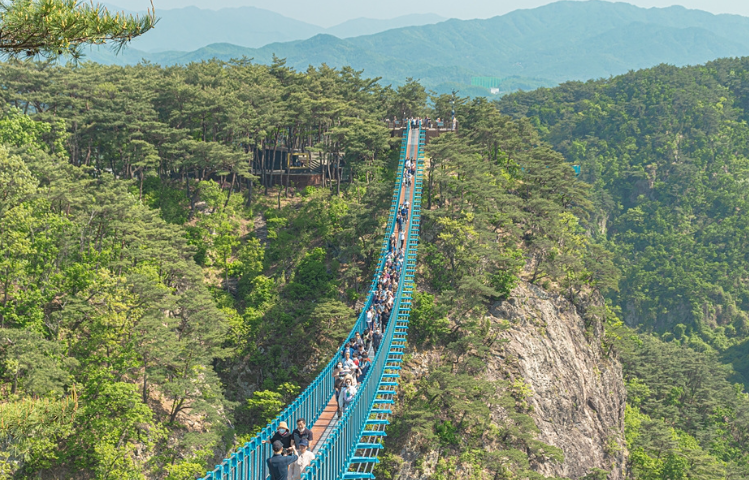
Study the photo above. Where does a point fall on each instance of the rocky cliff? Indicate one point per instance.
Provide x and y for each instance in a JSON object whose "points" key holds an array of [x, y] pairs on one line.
{"points": [[577, 393]]}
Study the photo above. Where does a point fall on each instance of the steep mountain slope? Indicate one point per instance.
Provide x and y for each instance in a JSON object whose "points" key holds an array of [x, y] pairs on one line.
{"points": [[665, 151], [572, 392], [578, 394]]}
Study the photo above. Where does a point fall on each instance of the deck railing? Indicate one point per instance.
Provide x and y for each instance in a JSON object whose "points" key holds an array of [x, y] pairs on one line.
{"points": [[249, 461]]}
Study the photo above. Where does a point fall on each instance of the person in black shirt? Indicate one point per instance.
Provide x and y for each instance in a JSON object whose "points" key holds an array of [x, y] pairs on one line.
{"points": [[376, 339], [278, 465], [385, 319], [302, 432], [283, 435]]}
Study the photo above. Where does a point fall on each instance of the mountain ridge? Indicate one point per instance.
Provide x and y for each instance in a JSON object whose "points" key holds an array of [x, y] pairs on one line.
{"points": [[558, 42], [191, 28]]}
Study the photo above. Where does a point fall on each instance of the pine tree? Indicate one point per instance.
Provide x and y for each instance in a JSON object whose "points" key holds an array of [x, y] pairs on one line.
{"points": [[61, 27]]}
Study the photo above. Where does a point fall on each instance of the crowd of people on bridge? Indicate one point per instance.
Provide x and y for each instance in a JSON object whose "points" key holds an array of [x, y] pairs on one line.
{"points": [[357, 352], [426, 122], [409, 172], [292, 450]]}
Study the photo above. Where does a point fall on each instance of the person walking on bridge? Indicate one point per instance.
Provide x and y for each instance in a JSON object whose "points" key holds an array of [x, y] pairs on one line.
{"points": [[370, 319], [305, 458], [348, 365], [376, 340], [348, 393], [340, 376], [301, 432], [359, 341], [278, 464], [367, 337], [364, 366]]}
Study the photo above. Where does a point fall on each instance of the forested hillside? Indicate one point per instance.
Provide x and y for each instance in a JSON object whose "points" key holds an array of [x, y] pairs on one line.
{"points": [[160, 304], [666, 154], [133, 284]]}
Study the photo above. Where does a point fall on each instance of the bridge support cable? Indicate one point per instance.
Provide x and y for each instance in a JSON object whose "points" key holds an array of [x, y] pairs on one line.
{"points": [[335, 454]]}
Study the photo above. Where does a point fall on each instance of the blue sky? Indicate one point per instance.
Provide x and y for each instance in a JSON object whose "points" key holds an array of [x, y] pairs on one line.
{"points": [[327, 13]]}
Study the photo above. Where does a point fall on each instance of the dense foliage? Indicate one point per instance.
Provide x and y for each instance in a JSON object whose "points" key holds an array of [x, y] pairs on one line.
{"points": [[501, 206], [683, 419], [665, 151], [147, 323], [160, 303], [51, 28]]}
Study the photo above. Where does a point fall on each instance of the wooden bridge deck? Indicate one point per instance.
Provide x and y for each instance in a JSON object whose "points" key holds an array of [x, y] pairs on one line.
{"points": [[324, 425]]}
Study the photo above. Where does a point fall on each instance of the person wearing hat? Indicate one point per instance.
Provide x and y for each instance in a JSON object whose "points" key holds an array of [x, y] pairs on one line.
{"points": [[278, 464], [305, 457], [283, 435]]}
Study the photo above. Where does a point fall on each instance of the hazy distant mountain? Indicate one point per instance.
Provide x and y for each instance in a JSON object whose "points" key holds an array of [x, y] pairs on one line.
{"points": [[567, 40], [192, 28], [370, 26]]}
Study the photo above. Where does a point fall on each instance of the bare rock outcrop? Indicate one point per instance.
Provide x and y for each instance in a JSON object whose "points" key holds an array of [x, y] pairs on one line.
{"points": [[578, 392]]}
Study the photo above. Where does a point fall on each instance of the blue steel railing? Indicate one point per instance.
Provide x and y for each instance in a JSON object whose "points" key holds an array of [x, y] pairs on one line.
{"points": [[248, 462], [351, 450]]}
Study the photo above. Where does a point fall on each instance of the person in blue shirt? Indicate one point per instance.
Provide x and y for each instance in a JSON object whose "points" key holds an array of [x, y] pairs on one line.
{"points": [[278, 465]]}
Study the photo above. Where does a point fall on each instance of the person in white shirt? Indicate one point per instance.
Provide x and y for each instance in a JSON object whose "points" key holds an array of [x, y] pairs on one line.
{"points": [[305, 457], [348, 365], [348, 393]]}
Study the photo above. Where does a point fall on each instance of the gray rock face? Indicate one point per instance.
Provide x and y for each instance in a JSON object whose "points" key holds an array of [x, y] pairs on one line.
{"points": [[578, 392]]}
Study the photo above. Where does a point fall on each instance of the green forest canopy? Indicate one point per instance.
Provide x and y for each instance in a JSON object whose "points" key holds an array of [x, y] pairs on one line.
{"points": [[141, 311], [666, 152], [129, 243]]}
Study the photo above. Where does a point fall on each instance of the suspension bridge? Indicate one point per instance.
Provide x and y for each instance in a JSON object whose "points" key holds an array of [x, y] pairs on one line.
{"points": [[348, 447]]}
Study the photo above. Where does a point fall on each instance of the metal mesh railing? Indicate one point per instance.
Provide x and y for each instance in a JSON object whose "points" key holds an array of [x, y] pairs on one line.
{"points": [[249, 461]]}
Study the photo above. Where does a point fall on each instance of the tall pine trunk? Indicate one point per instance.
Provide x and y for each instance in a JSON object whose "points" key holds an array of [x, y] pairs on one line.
{"points": [[338, 174], [231, 189]]}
